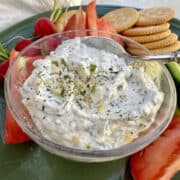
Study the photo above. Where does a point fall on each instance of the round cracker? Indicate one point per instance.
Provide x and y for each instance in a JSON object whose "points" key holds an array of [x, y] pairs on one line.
{"points": [[172, 48], [154, 16], [151, 38], [171, 39], [140, 31], [122, 18], [64, 18]]}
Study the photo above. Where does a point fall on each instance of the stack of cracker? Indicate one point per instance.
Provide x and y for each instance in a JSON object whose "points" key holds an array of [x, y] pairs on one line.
{"points": [[150, 27], [153, 30]]}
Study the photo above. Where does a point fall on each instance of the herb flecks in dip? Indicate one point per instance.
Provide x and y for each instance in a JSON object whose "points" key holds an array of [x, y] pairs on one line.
{"points": [[87, 98]]}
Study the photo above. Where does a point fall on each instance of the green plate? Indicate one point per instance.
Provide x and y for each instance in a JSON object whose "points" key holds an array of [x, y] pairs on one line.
{"points": [[28, 161]]}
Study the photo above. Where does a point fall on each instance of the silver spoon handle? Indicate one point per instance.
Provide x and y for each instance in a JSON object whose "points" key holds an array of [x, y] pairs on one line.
{"points": [[162, 57]]}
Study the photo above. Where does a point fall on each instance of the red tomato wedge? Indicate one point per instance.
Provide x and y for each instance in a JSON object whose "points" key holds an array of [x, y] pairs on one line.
{"points": [[13, 133], [161, 159]]}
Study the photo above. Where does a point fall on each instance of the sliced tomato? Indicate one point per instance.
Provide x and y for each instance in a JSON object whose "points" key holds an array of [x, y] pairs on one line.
{"points": [[13, 133], [161, 159]]}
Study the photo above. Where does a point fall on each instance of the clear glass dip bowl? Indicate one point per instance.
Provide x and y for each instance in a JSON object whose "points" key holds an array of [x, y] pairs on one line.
{"points": [[21, 68]]}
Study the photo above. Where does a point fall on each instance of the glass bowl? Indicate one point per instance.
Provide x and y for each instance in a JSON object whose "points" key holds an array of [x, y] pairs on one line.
{"points": [[22, 67]]}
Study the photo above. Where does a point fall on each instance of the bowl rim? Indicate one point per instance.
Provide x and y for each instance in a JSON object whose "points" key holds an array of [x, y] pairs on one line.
{"points": [[121, 151]]}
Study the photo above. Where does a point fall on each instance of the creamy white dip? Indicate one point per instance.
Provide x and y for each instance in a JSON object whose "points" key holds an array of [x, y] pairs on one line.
{"points": [[87, 98]]}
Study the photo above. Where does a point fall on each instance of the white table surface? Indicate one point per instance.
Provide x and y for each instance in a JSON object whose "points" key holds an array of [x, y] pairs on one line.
{"points": [[13, 11]]}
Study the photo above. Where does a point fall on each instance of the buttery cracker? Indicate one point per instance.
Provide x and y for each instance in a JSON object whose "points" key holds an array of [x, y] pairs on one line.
{"points": [[171, 39], [140, 31], [136, 51], [122, 18], [153, 16], [151, 38], [172, 48]]}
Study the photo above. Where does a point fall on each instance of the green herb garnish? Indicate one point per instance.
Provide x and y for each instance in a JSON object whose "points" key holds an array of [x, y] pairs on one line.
{"points": [[88, 146], [66, 76], [62, 92], [93, 89], [55, 63], [79, 104], [63, 62], [82, 93], [93, 68], [39, 75], [119, 87]]}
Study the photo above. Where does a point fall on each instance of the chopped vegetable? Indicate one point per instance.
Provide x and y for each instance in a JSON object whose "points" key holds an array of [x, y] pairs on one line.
{"points": [[3, 69], [20, 45], [161, 159], [174, 69], [13, 133], [75, 139], [63, 62], [56, 12], [62, 92], [55, 63], [79, 104], [4, 66], [43, 26], [4, 54], [93, 89], [4, 62], [93, 68], [100, 106]]}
